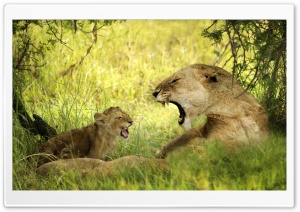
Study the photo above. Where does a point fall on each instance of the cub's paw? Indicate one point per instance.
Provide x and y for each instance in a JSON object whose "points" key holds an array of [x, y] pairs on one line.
{"points": [[66, 153]]}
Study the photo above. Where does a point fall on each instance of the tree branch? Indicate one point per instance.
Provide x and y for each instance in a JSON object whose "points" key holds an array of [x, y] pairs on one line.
{"points": [[62, 42]]}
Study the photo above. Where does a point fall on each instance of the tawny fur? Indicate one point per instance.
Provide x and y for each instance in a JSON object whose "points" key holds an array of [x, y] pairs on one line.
{"points": [[99, 167], [94, 141], [233, 115]]}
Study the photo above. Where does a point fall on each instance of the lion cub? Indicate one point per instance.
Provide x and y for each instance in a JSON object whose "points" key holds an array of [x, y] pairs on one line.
{"points": [[94, 141]]}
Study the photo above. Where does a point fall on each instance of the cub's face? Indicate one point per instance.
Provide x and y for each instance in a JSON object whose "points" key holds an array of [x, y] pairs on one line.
{"points": [[117, 119]]}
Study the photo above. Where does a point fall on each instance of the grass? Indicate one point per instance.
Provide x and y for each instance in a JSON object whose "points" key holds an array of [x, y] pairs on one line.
{"points": [[124, 66]]}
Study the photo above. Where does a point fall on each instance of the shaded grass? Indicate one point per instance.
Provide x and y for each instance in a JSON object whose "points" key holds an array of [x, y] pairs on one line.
{"points": [[129, 59]]}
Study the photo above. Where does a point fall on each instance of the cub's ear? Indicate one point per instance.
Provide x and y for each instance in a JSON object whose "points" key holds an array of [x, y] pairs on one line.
{"points": [[100, 118]]}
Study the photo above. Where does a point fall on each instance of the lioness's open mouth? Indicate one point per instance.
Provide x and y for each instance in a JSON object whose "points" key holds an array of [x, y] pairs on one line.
{"points": [[124, 133], [181, 118]]}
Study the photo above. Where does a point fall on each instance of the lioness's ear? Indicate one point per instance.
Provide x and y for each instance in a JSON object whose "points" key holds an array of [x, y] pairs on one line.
{"points": [[211, 77], [206, 76], [100, 118]]}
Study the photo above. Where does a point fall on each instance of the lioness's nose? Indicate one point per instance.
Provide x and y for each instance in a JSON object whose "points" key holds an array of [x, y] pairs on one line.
{"points": [[155, 93]]}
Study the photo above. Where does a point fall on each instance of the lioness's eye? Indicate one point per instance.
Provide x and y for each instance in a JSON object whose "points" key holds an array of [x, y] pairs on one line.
{"points": [[120, 117], [175, 80]]}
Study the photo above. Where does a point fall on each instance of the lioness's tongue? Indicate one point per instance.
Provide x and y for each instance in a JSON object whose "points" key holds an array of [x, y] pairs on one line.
{"points": [[124, 133]]}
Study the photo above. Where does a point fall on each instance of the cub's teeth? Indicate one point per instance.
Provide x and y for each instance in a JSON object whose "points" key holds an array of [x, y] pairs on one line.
{"points": [[167, 103], [179, 119]]}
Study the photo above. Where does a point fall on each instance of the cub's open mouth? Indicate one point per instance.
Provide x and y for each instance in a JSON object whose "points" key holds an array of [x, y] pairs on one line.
{"points": [[124, 132], [181, 118]]}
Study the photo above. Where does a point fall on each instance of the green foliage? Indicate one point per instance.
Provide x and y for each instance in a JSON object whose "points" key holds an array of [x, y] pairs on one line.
{"points": [[258, 52], [97, 64]]}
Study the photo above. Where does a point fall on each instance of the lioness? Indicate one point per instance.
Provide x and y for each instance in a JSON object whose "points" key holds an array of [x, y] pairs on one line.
{"points": [[233, 115], [94, 141]]}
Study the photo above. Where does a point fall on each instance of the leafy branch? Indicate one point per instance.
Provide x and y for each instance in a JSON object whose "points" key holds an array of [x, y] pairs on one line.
{"points": [[59, 39], [258, 57]]}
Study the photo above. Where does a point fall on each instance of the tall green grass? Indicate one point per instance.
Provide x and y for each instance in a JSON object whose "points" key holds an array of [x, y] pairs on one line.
{"points": [[124, 66]]}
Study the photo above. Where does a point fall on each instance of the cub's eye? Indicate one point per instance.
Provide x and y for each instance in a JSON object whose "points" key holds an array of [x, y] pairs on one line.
{"points": [[120, 117], [173, 81]]}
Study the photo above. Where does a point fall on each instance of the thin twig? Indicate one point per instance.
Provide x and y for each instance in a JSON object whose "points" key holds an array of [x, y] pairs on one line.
{"points": [[218, 60], [17, 66], [62, 42], [272, 108]]}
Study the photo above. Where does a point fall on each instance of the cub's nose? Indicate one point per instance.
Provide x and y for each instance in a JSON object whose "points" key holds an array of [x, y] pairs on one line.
{"points": [[155, 93]]}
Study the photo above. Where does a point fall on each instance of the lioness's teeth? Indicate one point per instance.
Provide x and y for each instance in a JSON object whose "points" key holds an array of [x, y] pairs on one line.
{"points": [[179, 119]]}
